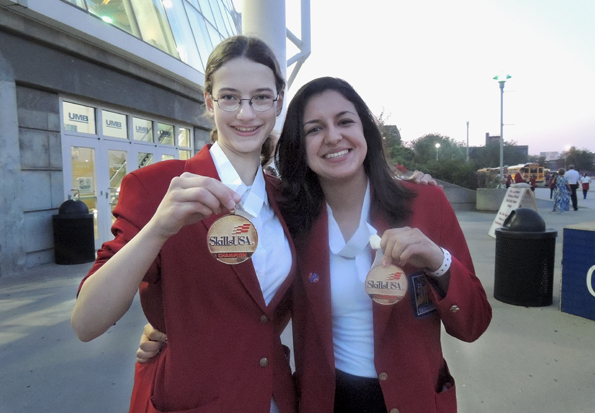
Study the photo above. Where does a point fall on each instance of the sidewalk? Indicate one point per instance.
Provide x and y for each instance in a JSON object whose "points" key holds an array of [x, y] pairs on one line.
{"points": [[530, 359], [544, 193]]}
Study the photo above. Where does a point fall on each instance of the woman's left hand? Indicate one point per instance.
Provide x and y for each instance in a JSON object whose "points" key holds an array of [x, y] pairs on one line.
{"points": [[410, 246]]}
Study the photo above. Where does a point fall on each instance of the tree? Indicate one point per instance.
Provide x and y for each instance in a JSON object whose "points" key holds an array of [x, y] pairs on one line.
{"points": [[582, 159], [402, 156], [537, 159], [425, 149], [390, 133]]}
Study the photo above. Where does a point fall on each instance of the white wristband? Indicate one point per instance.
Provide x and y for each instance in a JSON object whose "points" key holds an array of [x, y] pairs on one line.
{"points": [[444, 267]]}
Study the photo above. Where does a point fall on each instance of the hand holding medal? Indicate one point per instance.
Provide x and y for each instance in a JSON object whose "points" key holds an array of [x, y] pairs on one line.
{"points": [[386, 285]]}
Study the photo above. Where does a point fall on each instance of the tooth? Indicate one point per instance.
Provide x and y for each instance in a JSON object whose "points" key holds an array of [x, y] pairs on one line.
{"points": [[336, 154]]}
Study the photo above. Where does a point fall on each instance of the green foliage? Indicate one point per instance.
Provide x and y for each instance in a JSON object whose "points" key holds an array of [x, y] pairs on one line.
{"points": [[426, 151], [453, 171], [582, 159], [421, 155], [401, 155], [448, 161], [536, 159], [390, 133]]}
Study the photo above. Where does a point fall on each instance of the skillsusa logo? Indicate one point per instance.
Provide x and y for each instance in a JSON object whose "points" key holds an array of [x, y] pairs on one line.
{"points": [[240, 229]]}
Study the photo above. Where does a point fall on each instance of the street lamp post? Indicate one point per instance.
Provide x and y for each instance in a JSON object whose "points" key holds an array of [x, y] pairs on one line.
{"points": [[437, 147], [501, 80], [566, 149]]}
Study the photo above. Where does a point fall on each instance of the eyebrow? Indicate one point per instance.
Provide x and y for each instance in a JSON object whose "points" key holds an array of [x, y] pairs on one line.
{"points": [[230, 89], [337, 116]]}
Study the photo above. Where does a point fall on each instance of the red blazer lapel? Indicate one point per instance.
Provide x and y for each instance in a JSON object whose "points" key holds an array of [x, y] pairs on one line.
{"points": [[315, 273], [202, 164]]}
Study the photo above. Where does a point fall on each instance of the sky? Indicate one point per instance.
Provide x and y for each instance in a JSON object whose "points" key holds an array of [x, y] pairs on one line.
{"points": [[429, 65]]}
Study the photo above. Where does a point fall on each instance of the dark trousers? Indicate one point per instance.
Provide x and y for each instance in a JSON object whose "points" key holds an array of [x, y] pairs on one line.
{"points": [[573, 189], [585, 193], [354, 394]]}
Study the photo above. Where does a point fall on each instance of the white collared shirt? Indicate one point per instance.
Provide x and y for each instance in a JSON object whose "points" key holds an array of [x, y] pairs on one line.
{"points": [[572, 176], [353, 332], [272, 258]]}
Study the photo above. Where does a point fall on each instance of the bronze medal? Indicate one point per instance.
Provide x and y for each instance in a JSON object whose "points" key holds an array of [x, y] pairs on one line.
{"points": [[232, 239], [386, 285]]}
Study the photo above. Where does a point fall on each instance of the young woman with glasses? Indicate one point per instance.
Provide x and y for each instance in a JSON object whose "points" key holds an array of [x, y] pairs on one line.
{"points": [[230, 316]]}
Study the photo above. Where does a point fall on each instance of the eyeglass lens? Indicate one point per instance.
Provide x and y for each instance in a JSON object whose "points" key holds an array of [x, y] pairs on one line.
{"points": [[260, 103]]}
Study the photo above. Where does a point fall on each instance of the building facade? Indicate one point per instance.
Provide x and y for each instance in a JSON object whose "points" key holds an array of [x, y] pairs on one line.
{"points": [[89, 91]]}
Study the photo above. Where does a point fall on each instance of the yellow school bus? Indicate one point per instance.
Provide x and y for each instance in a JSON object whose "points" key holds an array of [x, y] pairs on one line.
{"points": [[528, 169]]}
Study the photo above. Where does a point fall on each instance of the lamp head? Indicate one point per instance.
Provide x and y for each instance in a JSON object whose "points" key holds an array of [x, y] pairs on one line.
{"points": [[501, 78]]}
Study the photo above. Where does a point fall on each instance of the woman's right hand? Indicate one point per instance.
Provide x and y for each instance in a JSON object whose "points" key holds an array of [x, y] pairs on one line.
{"points": [[151, 343], [189, 199]]}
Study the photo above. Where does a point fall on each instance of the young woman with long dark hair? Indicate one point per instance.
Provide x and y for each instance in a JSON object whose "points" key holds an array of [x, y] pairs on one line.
{"points": [[352, 353]]}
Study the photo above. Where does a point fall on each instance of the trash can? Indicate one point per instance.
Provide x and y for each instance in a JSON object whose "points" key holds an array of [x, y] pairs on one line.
{"points": [[74, 237], [525, 251]]}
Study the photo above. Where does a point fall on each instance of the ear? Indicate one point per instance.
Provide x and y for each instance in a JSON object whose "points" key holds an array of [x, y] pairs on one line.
{"points": [[209, 102], [280, 103]]}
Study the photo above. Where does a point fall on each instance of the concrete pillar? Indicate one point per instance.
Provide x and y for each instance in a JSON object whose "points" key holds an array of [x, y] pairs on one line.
{"points": [[12, 245], [265, 19]]}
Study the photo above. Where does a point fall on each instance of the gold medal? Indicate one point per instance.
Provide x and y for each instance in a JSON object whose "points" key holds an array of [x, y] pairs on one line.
{"points": [[386, 285], [232, 239]]}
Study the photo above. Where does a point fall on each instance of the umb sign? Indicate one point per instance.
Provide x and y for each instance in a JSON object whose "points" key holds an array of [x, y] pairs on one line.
{"points": [[517, 196]]}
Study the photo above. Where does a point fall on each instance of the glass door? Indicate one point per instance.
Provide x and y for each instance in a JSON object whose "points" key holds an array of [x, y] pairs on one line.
{"points": [[95, 171], [117, 168], [81, 178]]}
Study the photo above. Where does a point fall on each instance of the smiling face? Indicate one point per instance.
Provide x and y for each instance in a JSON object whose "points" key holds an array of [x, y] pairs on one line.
{"points": [[335, 142], [241, 133]]}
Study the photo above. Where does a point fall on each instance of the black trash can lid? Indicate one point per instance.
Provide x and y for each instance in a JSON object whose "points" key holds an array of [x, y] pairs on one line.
{"points": [[73, 207], [524, 220]]}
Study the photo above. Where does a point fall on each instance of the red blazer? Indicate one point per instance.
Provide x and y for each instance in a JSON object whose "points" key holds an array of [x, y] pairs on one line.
{"points": [[212, 311], [408, 353]]}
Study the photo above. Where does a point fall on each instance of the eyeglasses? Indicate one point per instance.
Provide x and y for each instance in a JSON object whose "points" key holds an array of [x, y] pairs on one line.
{"points": [[260, 103]]}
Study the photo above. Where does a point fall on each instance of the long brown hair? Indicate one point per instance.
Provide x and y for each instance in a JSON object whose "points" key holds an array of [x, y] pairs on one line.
{"points": [[256, 50]]}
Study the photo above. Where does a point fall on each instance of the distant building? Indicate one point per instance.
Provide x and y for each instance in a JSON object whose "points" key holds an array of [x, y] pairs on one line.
{"points": [[550, 156], [91, 90], [491, 139], [522, 150]]}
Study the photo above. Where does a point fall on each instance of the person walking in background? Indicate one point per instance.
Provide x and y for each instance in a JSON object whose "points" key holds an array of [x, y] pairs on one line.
{"points": [[508, 181], [573, 178], [561, 193], [552, 183], [585, 183]]}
